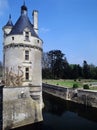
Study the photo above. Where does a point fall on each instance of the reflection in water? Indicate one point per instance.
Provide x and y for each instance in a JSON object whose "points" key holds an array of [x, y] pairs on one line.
{"points": [[63, 115], [59, 107], [36, 126]]}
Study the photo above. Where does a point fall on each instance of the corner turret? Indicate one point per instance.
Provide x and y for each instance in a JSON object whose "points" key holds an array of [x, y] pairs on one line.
{"points": [[8, 27]]}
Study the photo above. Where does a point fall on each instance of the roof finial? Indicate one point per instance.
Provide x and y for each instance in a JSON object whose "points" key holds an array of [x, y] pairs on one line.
{"points": [[9, 23], [23, 8], [9, 16], [24, 2]]}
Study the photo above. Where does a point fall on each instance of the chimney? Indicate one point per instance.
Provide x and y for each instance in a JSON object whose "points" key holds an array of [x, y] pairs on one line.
{"points": [[35, 20]]}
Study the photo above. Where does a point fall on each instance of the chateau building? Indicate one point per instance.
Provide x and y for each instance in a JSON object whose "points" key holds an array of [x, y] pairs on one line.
{"points": [[22, 51], [22, 54]]}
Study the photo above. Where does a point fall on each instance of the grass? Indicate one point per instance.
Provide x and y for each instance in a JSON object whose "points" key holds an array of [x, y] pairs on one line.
{"points": [[63, 83], [94, 88], [69, 83]]}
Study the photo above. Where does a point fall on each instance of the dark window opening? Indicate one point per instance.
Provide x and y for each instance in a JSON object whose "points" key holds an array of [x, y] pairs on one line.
{"points": [[27, 36], [26, 55], [12, 38], [27, 73], [38, 41]]}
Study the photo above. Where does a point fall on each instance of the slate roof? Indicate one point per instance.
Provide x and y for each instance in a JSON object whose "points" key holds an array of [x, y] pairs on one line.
{"points": [[9, 23], [22, 23]]}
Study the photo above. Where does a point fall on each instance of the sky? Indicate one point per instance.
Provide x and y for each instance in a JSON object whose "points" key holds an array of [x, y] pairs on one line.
{"points": [[66, 25]]}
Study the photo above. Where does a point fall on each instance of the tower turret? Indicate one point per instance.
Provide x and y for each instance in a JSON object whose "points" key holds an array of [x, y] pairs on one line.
{"points": [[8, 27], [22, 55], [22, 38]]}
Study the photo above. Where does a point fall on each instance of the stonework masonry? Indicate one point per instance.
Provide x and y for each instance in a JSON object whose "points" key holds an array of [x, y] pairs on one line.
{"points": [[1, 106], [19, 108], [22, 51], [22, 54], [81, 96]]}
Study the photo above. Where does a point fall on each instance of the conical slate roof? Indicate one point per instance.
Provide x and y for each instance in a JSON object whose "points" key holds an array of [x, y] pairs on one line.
{"points": [[22, 23], [9, 23]]}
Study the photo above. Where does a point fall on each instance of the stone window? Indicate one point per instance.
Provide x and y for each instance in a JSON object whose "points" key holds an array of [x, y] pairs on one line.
{"points": [[12, 38], [27, 36], [27, 73], [26, 55], [37, 41]]}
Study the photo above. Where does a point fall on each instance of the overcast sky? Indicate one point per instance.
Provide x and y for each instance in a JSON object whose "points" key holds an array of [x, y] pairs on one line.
{"points": [[68, 25]]}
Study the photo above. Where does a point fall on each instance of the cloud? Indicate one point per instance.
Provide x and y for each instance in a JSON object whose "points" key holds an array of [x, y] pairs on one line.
{"points": [[44, 30], [3, 6]]}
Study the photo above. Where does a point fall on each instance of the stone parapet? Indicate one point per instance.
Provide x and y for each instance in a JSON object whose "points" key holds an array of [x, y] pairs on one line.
{"points": [[81, 96], [19, 108]]}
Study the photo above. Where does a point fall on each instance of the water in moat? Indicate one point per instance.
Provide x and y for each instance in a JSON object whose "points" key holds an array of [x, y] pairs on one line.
{"points": [[64, 115]]}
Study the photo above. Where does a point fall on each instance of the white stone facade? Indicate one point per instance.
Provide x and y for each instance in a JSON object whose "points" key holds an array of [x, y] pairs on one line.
{"points": [[22, 54], [14, 51]]}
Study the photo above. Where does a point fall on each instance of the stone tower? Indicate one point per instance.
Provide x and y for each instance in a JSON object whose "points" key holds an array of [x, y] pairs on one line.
{"points": [[22, 53], [23, 48]]}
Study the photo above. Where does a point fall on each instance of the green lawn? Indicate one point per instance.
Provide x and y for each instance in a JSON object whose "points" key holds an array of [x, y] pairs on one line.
{"points": [[69, 83], [63, 83]]}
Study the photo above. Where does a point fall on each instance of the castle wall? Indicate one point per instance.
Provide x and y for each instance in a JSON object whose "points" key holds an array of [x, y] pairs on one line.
{"points": [[19, 108], [36, 68], [15, 57], [21, 39], [22, 51], [1, 106], [81, 96]]}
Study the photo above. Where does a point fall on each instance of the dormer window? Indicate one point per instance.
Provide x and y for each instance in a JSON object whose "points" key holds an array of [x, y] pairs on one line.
{"points": [[27, 36]]}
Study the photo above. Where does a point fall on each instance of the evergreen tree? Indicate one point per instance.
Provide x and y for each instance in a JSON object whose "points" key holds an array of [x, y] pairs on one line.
{"points": [[57, 58], [55, 65], [86, 70]]}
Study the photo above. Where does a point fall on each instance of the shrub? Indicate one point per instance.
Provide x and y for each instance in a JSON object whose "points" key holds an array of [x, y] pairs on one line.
{"points": [[75, 80], [86, 86], [79, 79], [75, 85]]}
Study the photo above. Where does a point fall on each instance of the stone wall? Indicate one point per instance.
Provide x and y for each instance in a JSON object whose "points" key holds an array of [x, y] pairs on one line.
{"points": [[34, 63], [1, 105], [87, 97], [19, 108], [13, 60], [81, 96], [55, 90]]}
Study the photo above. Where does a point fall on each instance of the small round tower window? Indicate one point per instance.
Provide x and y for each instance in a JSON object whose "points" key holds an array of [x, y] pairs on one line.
{"points": [[37, 41], [12, 38]]}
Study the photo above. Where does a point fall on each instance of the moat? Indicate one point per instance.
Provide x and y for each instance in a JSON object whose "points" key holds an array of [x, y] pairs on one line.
{"points": [[64, 115]]}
